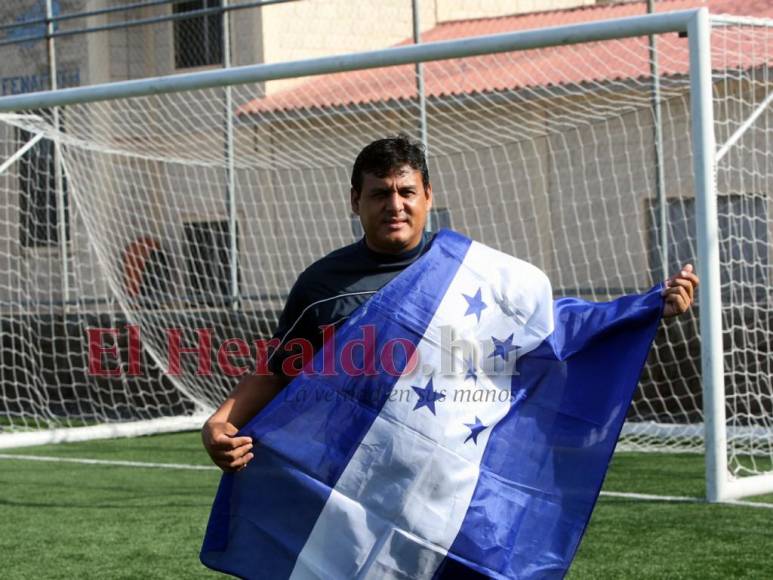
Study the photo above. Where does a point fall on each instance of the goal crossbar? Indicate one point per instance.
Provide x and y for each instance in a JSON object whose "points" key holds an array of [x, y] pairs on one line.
{"points": [[677, 21]]}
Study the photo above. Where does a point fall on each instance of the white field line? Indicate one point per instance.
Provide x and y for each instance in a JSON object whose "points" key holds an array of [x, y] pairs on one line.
{"points": [[652, 497], [116, 463], [682, 499], [191, 467]]}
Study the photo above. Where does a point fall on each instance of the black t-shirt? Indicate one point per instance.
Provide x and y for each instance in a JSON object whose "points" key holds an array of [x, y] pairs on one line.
{"points": [[329, 290]]}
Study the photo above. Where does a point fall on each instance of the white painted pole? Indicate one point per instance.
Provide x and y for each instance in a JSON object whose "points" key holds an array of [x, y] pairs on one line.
{"points": [[61, 213], [676, 21], [712, 352], [421, 93], [660, 184], [233, 234], [416, 8], [748, 485]]}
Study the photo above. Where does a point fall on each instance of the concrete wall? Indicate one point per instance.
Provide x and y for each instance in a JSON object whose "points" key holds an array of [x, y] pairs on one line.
{"points": [[537, 178], [568, 186], [316, 28], [274, 33], [572, 190]]}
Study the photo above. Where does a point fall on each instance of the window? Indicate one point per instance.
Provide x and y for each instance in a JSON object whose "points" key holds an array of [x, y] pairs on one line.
{"points": [[208, 258], [39, 218], [743, 242], [198, 40]]}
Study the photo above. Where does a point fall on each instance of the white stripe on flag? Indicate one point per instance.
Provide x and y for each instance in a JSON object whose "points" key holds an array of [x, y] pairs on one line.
{"points": [[399, 504]]}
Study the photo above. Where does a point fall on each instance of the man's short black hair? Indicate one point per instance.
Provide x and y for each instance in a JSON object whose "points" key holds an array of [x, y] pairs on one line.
{"points": [[383, 156]]}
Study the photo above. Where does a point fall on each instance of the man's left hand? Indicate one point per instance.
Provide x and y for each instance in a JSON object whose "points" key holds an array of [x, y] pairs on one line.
{"points": [[679, 292]]}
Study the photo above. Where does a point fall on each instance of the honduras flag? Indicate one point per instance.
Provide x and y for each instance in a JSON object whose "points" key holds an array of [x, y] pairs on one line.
{"points": [[489, 471]]}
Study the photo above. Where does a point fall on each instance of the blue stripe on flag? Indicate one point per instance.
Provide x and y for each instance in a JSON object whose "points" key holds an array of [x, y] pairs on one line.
{"points": [[263, 514], [545, 461]]}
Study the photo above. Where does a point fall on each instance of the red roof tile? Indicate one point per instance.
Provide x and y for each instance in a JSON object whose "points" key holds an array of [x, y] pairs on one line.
{"points": [[541, 67]]}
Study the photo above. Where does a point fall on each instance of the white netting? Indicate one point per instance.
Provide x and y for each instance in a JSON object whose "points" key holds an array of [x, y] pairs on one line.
{"points": [[744, 122], [548, 155]]}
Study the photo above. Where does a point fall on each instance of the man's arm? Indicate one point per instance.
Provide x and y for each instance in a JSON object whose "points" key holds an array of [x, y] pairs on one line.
{"points": [[253, 392]]}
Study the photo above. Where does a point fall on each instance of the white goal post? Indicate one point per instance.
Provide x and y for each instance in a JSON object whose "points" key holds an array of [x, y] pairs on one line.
{"points": [[542, 143]]}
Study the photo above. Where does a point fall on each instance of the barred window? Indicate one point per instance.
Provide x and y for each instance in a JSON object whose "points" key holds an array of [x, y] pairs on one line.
{"points": [[198, 40], [38, 215], [208, 258]]}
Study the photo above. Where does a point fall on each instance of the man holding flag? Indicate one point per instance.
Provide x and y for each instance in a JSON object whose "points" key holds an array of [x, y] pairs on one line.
{"points": [[403, 467]]}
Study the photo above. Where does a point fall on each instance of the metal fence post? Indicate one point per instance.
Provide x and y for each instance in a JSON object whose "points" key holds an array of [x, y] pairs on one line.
{"points": [[660, 186], [230, 177], [61, 213]]}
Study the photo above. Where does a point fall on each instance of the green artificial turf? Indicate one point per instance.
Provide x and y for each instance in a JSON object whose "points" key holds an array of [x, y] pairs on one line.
{"points": [[65, 520]]}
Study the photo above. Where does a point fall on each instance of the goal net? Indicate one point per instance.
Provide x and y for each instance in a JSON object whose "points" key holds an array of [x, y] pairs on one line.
{"points": [[184, 219]]}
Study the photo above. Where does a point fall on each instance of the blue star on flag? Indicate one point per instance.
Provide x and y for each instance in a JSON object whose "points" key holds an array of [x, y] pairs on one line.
{"points": [[475, 304], [471, 374], [427, 397], [503, 348], [475, 430]]}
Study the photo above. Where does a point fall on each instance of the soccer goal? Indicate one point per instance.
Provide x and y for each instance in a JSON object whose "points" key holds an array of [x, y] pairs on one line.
{"points": [[152, 222]]}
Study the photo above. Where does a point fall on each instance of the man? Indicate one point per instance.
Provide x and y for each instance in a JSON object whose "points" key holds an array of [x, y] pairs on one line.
{"points": [[392, 195]]}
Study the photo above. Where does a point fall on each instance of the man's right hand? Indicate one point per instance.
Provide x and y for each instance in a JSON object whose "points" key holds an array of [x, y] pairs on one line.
{"points": [[228, 452]]}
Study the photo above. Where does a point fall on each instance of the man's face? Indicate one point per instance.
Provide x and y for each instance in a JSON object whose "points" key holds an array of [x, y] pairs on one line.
{"points": [[393, 209]]}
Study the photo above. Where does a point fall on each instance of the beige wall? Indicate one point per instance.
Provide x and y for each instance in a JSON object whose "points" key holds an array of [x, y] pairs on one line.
{"points": [[316, 28]]}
